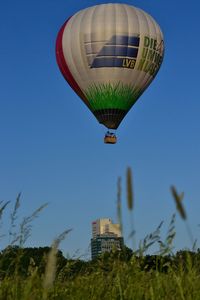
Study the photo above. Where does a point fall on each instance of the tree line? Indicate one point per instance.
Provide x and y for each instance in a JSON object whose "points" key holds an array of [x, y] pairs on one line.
{"points": [[15, 260]]}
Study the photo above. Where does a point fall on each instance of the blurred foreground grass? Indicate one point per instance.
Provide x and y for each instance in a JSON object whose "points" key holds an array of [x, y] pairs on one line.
{"points": [[43, 273], [110, 279]]}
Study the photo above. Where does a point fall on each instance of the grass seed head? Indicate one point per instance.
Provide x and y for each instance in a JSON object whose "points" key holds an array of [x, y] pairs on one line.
{"points": [[119, 204], [129, 188], [179, 205]]}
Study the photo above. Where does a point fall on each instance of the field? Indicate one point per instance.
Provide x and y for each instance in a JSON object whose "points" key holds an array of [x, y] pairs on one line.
{"points": [[108, 278], [44, 273]]}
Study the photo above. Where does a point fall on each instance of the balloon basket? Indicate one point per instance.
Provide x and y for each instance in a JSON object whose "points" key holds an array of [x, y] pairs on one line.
{"points": [[110, 138]]}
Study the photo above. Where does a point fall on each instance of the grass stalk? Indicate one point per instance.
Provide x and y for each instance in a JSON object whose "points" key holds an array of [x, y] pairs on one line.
{"points": [[130, 203], [119, 205]]}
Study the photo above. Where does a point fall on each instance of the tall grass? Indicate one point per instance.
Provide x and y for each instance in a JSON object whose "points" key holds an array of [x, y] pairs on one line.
{"points": [[139, 276], [181, 210]]}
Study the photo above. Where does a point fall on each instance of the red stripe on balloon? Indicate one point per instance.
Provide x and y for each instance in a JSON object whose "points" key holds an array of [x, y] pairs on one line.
{"points": [[62, 63]]}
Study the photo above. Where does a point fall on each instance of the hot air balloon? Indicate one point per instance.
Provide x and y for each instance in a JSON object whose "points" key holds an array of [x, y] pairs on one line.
{"points": [[109, 54]]}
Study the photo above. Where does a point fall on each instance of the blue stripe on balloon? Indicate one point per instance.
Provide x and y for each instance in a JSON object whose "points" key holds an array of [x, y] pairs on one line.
{"points": [[118, 45], [118, 51], [101, 62], [124, 40], [107, 62]]}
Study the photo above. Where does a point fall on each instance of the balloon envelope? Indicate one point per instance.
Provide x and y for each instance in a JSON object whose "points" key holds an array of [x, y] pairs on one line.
{"points": [[109, 54]]}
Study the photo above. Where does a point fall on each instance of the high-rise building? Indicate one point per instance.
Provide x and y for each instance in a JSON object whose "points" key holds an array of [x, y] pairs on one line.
{"points": [[102, 226], [106, 236]]}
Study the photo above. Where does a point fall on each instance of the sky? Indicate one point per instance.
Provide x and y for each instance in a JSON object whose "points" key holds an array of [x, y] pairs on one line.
{"points": [[51, 146]]}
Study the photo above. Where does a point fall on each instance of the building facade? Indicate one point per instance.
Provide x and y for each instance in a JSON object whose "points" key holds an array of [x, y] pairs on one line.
{"points": [[103, 226], [106, 236]]}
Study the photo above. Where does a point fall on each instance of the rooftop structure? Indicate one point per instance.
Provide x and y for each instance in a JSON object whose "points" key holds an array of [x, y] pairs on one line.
{"points": [[103, 226]]}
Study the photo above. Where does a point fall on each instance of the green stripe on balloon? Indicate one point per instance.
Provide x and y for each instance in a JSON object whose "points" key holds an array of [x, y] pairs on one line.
{"points": [[107, 95]]}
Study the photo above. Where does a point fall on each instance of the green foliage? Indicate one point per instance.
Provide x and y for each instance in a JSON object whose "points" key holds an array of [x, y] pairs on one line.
{"points": [[111, 276], [15, 260]]}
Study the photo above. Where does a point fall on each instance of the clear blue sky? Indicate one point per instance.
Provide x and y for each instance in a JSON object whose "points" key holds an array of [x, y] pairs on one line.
{"points": [[51, 146]]}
